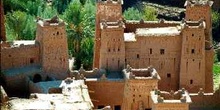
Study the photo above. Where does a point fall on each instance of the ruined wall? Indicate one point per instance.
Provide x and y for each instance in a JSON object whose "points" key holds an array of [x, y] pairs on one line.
{"points": [[131, 26], [106, 93], [147, 51], [137, 93], [25, 55]]}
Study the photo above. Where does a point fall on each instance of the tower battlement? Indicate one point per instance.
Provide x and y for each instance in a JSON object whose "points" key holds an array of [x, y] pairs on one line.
{"points": [[110, 1], [193, 24], [192, 3], [55, 21]]}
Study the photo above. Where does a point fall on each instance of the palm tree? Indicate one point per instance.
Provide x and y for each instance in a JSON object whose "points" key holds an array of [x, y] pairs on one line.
{"points": [[80, 19]]}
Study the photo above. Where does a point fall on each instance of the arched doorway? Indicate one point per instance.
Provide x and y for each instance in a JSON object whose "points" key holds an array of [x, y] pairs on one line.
{"points": [[37, 78]]}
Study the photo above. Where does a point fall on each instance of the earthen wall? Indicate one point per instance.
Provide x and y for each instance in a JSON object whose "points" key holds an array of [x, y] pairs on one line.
{"points": [[205, 101], [112, 52], [162, 52], [137, 93], [25, 55], [106, 93]]}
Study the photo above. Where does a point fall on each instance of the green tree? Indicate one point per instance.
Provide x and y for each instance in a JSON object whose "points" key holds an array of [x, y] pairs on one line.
{"points": [[29, 6], [216, 26], [60, 5], [16, 22], [48, 12], [80, 30], [132, 14], [149, 14]]}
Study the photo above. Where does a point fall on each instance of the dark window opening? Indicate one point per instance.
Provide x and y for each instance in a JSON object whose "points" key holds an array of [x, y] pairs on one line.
{"points": [[191, 81], [199, 65], [57, 33], [37, 78], [117, 107], [162, 51], [168, 75], [133, 100], [139, 95], [100, 106], [150, 51], [118, 64], [9, 55], [138, 56], [109, 50], [118, 49], [193, 51], [31, 60], [193, 59], [192, 34]]}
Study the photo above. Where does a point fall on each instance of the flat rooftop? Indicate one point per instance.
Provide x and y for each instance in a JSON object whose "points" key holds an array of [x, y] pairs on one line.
{"points": [[163, 31]]}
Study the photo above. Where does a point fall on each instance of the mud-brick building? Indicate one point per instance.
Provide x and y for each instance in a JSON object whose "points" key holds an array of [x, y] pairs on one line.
{"points": [[48, 50], [181, 52], [42, 59]]}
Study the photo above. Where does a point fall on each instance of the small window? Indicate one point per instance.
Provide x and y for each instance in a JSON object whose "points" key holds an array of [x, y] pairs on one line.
{"points": [[138, 56], [168, 75], [150, 51], [117, 107], [192, 34], [139, 95], [193, 51], [118, 49], [31, 60], [162, 51], [191, 81], [57, 33], [9, 55], [100, 106], [109, 50]]}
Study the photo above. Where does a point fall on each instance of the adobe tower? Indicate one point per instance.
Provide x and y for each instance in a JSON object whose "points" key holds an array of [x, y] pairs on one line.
{"points": [[109, 49], [197, 48], [51, 36]]}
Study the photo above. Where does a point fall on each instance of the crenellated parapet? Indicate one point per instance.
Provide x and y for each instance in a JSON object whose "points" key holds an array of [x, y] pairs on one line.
{"points": [[55, 21], [109, 25], [170, 99], [83, 74], [193, 24], [145, 73], [192, 3], [110, 1]]}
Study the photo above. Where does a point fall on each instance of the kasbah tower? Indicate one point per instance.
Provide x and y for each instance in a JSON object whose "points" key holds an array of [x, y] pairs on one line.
{"points": [[184, 58], [51, 36]]}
